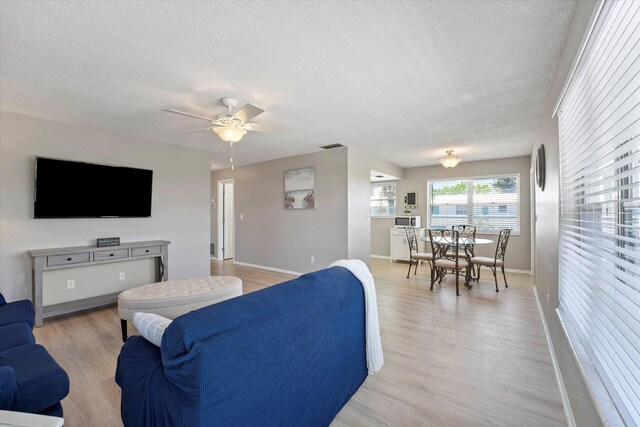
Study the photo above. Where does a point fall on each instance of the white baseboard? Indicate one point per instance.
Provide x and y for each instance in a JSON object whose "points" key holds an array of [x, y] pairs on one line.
{"points": [[563, 391], [381, 256], [264, 267], [216, 258], [515, 270]]}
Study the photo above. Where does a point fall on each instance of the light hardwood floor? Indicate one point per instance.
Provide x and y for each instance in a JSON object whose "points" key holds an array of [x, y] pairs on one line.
{"points": [[474, 360]]}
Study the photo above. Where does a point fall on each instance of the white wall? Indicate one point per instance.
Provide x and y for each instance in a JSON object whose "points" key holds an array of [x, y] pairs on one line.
{"points": [[180, 205], [270, 235], [547, 209], [358, 221]]}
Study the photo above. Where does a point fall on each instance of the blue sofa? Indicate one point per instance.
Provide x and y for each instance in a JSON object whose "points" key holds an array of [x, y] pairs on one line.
{"points": [[291, 354]]}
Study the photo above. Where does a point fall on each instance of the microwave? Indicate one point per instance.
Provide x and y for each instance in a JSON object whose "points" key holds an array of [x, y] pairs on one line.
{"points": [[407, 221]]}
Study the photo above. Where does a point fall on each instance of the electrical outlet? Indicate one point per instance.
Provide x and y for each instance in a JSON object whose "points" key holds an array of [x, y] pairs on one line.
{"points": [[121, 276], [241, 216], [547, 300], [71, 284], [313, 259]]}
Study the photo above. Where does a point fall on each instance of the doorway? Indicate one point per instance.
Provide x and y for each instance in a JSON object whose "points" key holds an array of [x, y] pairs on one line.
{"points": [[226, 220]]}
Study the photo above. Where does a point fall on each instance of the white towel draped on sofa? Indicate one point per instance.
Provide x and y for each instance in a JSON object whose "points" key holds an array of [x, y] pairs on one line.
{"points": [[375, 358]]}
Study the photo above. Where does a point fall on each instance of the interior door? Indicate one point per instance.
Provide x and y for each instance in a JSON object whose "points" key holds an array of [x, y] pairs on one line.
{"points": [[228, 221]]}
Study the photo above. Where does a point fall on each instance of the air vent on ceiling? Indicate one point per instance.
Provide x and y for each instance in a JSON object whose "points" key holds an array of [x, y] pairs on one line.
{"points": [[330, 146]]}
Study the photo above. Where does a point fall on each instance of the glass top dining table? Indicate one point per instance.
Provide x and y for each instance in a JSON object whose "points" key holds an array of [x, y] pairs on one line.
{"points": [[462, 241]]}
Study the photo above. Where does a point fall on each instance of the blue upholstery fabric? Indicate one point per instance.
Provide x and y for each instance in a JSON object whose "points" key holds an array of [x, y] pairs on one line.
{"points": [[30, 380], [291, 354], [15, 335], [16, 312]]}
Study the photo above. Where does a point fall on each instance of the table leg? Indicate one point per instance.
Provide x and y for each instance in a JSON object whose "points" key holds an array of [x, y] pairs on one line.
{"points": [[36, 289], [123, 326]]}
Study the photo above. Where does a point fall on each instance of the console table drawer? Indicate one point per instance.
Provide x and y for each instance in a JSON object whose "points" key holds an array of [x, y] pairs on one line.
{"points": [[150, 250], [67, 259], [120, 253]]}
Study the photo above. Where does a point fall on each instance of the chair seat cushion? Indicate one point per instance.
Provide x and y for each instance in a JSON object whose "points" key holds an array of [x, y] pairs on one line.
{"points": [[177, 297], [17, 312], [40, 382], [423, 255], [15, 335], [447, 263], [481, 260]]}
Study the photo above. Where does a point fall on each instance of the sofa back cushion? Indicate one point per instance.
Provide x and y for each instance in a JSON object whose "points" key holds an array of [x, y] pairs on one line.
{"points": [[290, 354]]}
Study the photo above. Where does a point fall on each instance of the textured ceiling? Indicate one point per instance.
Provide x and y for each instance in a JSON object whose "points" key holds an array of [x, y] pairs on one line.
{"points": [[405, 80]]}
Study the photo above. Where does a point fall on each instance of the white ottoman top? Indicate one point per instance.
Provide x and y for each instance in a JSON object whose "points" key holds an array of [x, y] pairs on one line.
{"points": [[176, 297]]}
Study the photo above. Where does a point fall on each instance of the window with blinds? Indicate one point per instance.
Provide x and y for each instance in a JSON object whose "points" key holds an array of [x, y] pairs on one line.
{"points": [[489, 203], [383, 199], [599, 275]]}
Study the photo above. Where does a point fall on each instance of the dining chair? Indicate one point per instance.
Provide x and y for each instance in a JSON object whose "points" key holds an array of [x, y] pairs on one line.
{"points": [[497, 260], [445, 247], [466, 232], [414, 254]]}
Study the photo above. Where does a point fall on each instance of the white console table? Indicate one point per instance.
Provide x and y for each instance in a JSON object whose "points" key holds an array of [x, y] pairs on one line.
{"points": [[80, 256]]}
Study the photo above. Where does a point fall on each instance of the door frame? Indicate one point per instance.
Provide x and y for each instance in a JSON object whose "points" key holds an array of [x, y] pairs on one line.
{"points": [[219, 224]]}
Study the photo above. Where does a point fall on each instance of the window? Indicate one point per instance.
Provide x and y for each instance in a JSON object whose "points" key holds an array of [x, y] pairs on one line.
{"points": [[490, 203], [383, 199], [599, 271]]}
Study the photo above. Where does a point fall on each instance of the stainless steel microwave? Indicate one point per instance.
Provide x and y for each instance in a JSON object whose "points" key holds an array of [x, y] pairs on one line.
{"points": [[408, 221]]}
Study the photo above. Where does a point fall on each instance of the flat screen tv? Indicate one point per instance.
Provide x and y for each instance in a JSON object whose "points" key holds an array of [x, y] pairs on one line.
{"points": [[66, 189]]}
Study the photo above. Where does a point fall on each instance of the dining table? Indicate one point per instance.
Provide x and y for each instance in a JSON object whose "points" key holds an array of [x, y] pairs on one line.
{"points": [[465, 242]]}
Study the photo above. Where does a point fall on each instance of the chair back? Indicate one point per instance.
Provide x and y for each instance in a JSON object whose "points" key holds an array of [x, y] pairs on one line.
{"points": [[412, 240], [443, 242], [501, 247], [465, 230]]}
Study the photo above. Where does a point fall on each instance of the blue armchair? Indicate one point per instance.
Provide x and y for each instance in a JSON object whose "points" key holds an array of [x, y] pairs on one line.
{"points": [[16, 312], [30, 380], [15, 335], [291, 354]]}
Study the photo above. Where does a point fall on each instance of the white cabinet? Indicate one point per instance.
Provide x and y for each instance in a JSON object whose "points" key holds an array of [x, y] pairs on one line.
{"points": [[400, 247]]}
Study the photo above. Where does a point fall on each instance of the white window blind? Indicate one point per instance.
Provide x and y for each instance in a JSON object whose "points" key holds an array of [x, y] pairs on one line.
{"points": [[490, 203], [383, 199], [599, 120]]}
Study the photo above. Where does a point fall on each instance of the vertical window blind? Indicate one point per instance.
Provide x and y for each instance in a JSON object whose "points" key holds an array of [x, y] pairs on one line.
{"points": [[490, 204], [383, 199], [599, 275]]}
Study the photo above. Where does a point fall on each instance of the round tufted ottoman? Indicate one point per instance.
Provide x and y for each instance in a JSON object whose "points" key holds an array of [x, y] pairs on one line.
{"points": [[176, 297]]}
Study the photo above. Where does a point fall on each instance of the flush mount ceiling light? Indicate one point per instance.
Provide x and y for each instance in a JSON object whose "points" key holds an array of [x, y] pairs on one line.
{"points": [[449, 160]]}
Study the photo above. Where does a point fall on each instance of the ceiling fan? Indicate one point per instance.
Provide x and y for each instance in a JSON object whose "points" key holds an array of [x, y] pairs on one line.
{"points": [[233, 125]]}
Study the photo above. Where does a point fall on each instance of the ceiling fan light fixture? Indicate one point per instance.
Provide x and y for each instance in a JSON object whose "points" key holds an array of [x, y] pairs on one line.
{"points": [[230, 133], [450, 160]]}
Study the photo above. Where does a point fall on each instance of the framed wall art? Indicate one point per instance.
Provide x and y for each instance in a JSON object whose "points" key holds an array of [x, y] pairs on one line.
{"points": [[299, 189]]}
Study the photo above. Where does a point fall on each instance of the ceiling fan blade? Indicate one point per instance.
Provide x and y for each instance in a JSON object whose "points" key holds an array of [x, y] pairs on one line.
{"points": [[248, 112], [258, 127], [188, 115], [194, 131]]}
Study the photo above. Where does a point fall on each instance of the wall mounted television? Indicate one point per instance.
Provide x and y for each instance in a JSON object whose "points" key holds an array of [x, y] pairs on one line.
{"points": [[67, 189]]}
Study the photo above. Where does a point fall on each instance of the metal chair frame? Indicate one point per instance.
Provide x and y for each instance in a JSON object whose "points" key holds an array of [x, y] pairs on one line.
{"points": [[412, 241], [445, 245], [501, 250]]}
